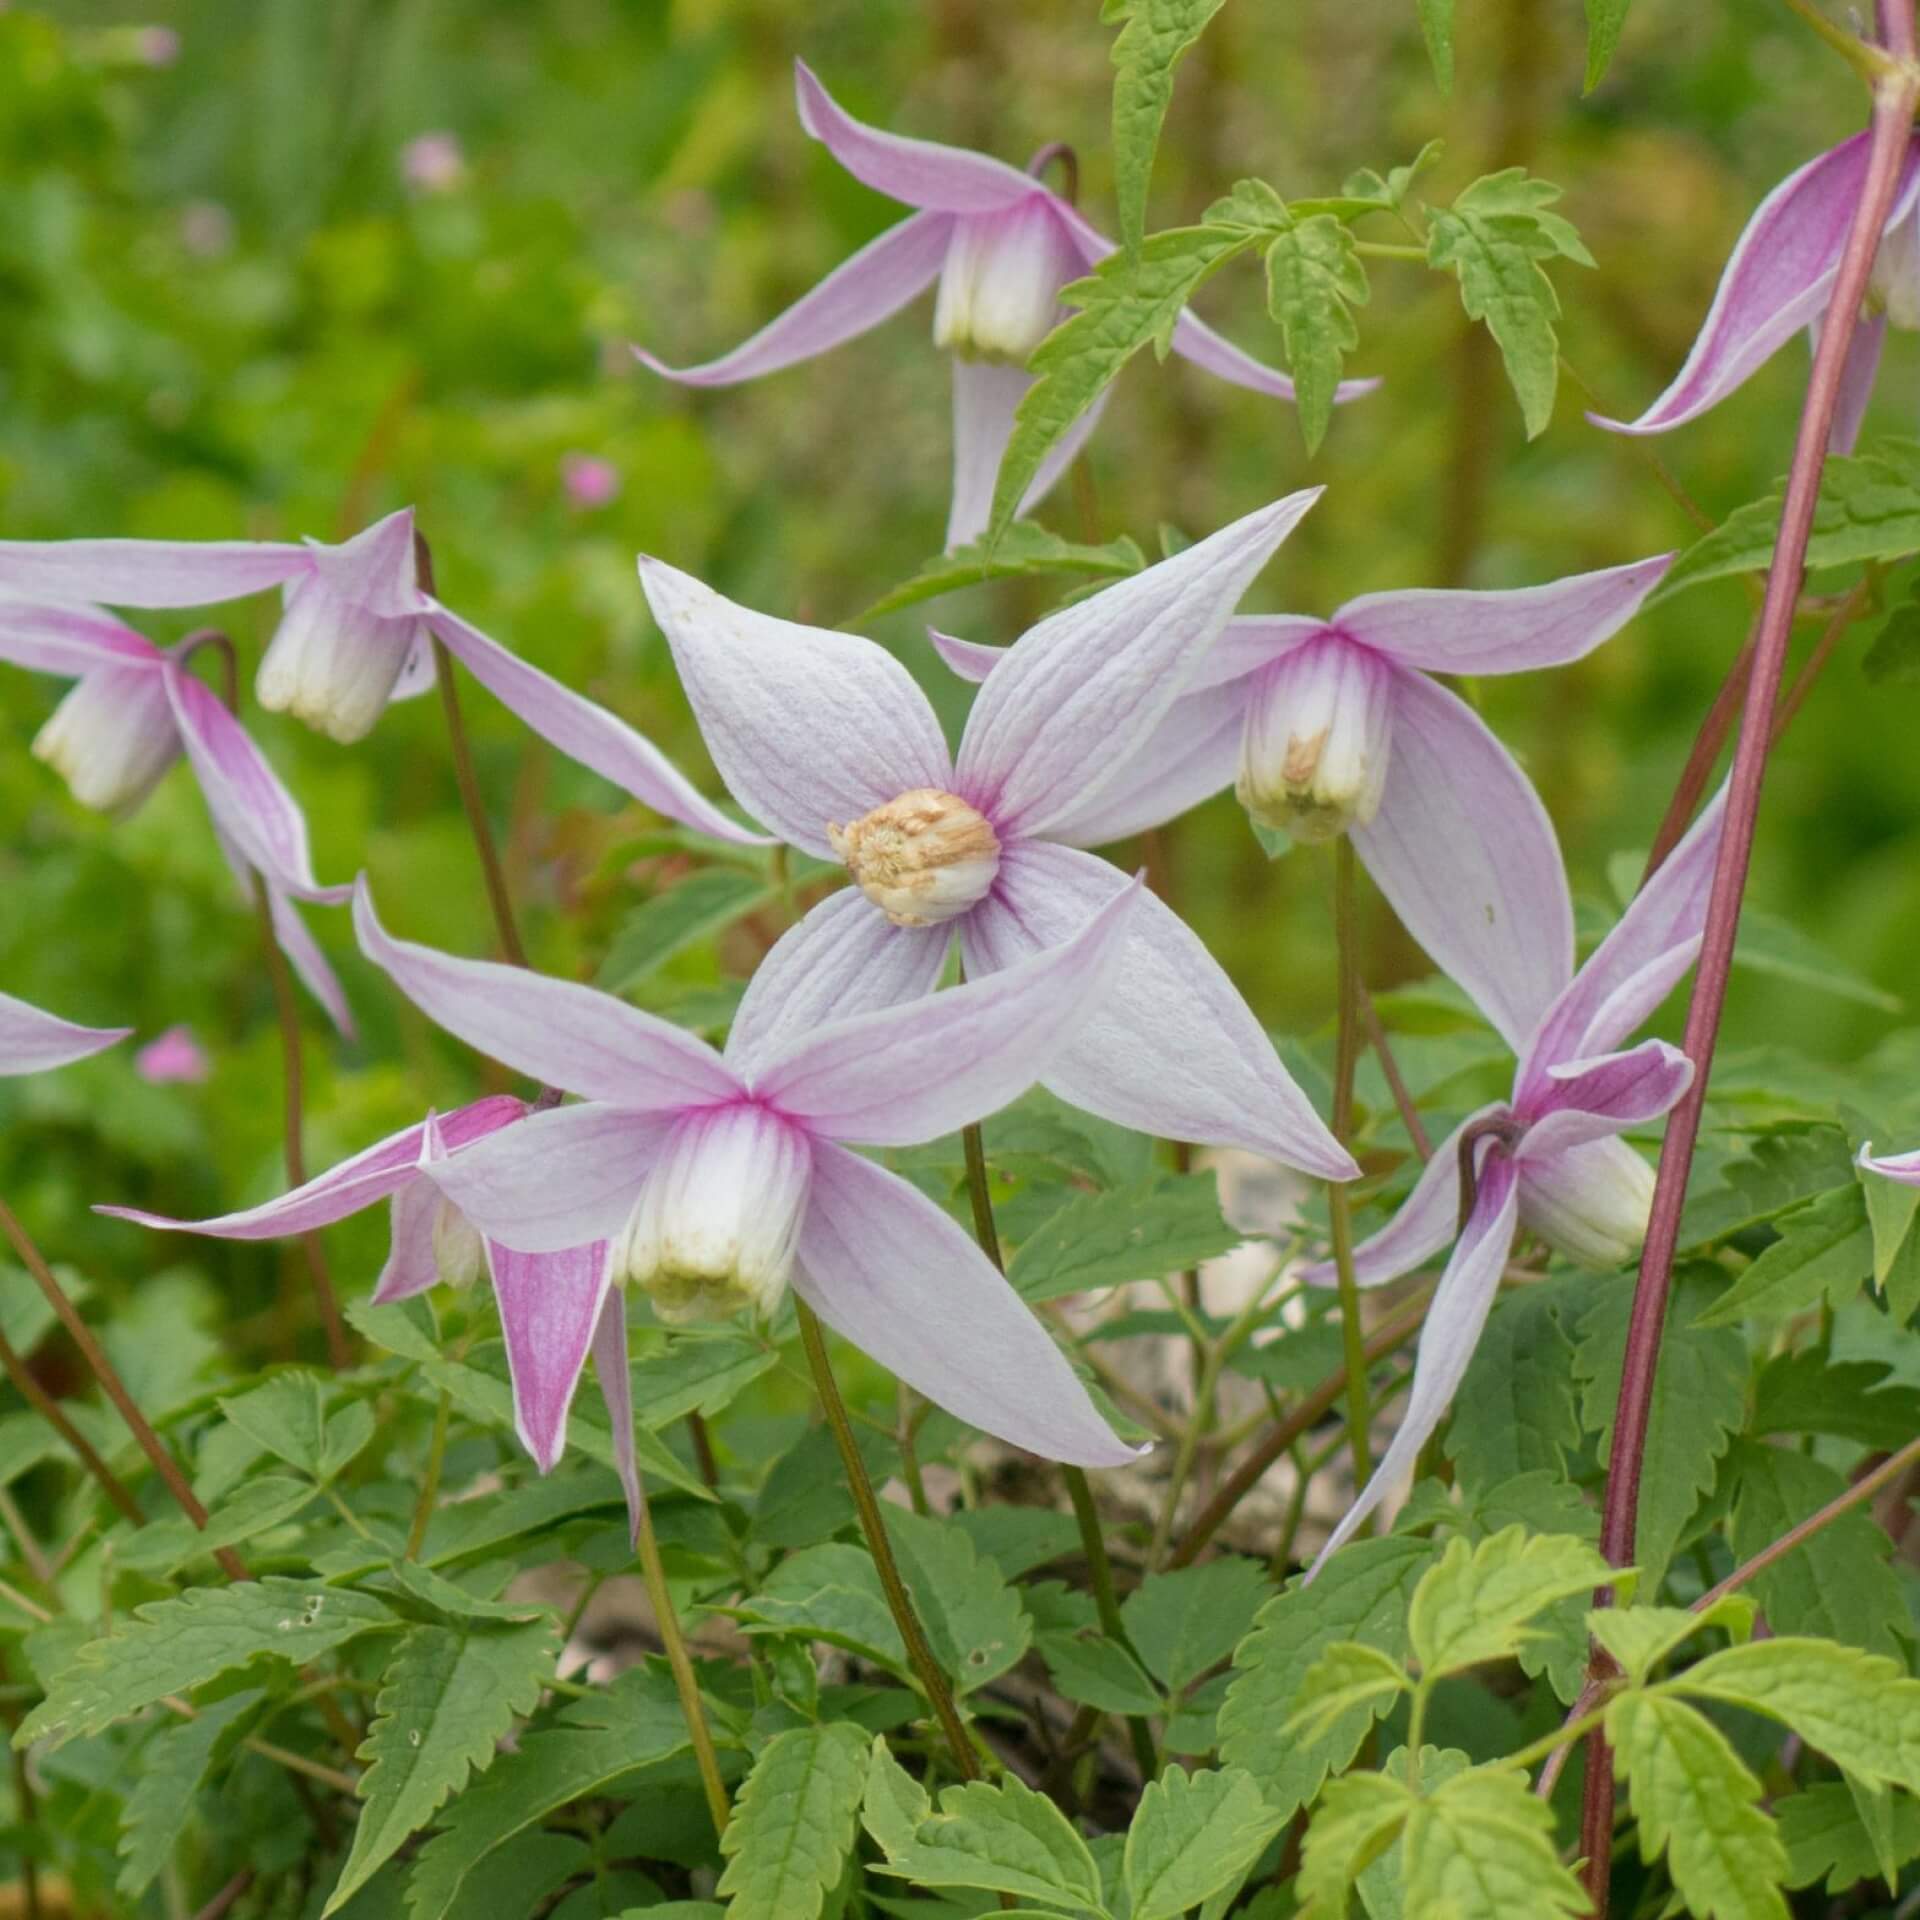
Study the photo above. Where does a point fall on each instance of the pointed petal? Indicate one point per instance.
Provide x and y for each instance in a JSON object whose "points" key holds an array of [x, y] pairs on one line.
{"points": [[549, 1307], [147, 573], [1856, 380], [884, 1266], [985, 395], [1508, 632], [845, 957], [805, 726], [1454, 1321], [69, 640], [557, 1031], [35, 1042], [921, 173], [858, 294], [907, 1074], [1466, 855], [969, 659], [1188, 758], [616, 1389], [1778, 280], [1247, 643], [375, 570], [1903, 1167], [560, 1178], [303, 953], [1171, 1049], [1594, 1099], [412, 1264], [585, 732], [1081, 693]]}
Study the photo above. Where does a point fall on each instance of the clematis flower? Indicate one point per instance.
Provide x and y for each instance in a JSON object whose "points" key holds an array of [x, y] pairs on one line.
{"points": [[826, 738], [1780, 279], [35, 1042], [721, 1179], [1001, 246], [1549, 1157], [1335, 726], [356, 632], [134, 711]]}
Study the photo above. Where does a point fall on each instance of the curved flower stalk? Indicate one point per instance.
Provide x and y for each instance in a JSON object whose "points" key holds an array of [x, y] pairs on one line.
{"points": [[1780, 278], [826, 738], [134, 711], [1549, 1157], [1336, 726], [721, 1179], [356, 633], [35, 1042], [1001, 246]]}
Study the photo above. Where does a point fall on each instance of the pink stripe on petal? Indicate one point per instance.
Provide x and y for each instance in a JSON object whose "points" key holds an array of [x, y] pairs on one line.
{"points": [[35, 1042], [1901, 1167], [549, 1307], [412, 1264], [1586, 1100], [70, 640]]}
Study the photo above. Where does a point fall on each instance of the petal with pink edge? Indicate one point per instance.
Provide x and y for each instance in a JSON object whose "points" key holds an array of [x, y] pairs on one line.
{"points": [[985, 396], [1171, 1049], [805, 726], [908, 1074], [1593, 1099], [375, 570], [69, 640], [413, 1262], [35, 1042], [885, 1267], [148, 573], [1080, 694], [549, 1307]]}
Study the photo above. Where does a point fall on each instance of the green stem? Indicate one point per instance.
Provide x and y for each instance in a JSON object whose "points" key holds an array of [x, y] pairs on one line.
{"points": [[1339, 1204], [1387, 250], [430, 1484]]}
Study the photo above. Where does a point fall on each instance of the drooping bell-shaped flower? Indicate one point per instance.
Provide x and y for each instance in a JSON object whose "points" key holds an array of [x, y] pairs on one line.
{"points": [[1548, 1157], [1780, 279], [1001, 246], [36, 1042], [826, 738], [1313, 759]]}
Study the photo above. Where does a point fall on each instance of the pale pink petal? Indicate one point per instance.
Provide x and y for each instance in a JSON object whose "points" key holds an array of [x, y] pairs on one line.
{"points": [[1247, 643], [35, 1042], [549, 1307], [295, 939], [908, 1074], [805, 726], [585, 732], [417, 676], [148, 573], [1188, 758], [1466, 855], [413, 1261], [886, 1267], [1452, 1331], [1171, 1049], [616, 1389], [374, 570], [1586, 1100], [1903, 1167], [69, 640], [1856, 380], [985, 394], [557, 1031], [970, 659], [920, 173], [1505, 632], [858, 294], [844, 957], [1081, 693]]}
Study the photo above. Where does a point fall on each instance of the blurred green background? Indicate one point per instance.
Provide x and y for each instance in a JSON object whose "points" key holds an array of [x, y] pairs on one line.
{"points": [[238, 296]]}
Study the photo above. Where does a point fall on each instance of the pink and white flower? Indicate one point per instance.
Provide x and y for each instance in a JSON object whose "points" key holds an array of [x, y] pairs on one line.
{"points": [[36, 1042]]}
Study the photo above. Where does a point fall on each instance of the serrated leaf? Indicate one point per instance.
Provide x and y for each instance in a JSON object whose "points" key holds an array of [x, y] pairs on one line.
{"points": [[691, 910], [255, 1507], [1092, 1671], [171, 1646], [1362, 1595], [1152, 43], [1639, 1638], [696, 1373], [1806, 1392], [1157, 1226], [793, 1823], [1185, 1622], [831, 1593], [1494, 236], [1825, 1252], [974, 1621], [1475, 1605], [1696, 1803], [1605, 18], [172, 1767], [1515, 1411], [1023, 551], [1017, 1539], [288, 1416], [1481, 1844], [1780, 1171], [1315, 278], [445, 1700], [454, 1603], [1359, 1817], [1346, 1677], [1382, 1885], [1192, 1834], [1436, 28], [1825, 1836]]}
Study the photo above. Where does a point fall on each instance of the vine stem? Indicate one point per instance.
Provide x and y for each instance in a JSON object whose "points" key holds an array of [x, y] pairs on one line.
{"points": [[49, 1409], [1893, 102], [873, 1524], [1339, 1202]]}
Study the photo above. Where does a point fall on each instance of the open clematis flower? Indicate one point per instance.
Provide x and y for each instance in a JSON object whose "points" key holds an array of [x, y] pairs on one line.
{"points": [[36, 1042], [826, 738], [134, 711], [1002, 246], [356, 632], [1780, 279], [1335, 726], [1549, 1157], [722, 1179]]}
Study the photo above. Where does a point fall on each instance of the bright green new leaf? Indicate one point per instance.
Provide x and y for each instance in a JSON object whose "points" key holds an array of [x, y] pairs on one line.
{"points": [[1481, 1845], [1163, 1224], [692, 910], [1192, 1834], [1475, 1605], [1639, 1638], [1605, 18], [1383, 1884], [1315, 278], [1436, 25], [1347, 1676], [1359, 1817], [1024, 551], [1185, 1622], [793, 1823], [172, 1767], [1154, 40]]}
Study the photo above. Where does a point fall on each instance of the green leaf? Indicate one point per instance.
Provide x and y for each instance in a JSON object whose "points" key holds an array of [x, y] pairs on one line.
{"points": [[173, 1765], [1780, 1171], [255, 1507], [1436, 25], [831, 1593], [1362, 1594], [445, 1700], [793, 1823], [1023, 552], [1192, 1834], [1777, 948], [974, 1621], [1481, 1844], [1639, 1638], [1825, 1835], [1383, 1884], [1345, 1677], [1697, 1803], [288, 1416], [1093, 1671], [691, 910], [1893, 659], [1806, 1392], [170, 1646], [1315, 277], [1869, 509], [454, 1605], [1152, 43], [1891, 1204], [1184, 1623], [1475, 1605], [1359, 1817], [1825, 1252], [1017, 1539], [1494, 236], [1160, 1225], [1605, 18], [1515, 1412], [697, 1372]]}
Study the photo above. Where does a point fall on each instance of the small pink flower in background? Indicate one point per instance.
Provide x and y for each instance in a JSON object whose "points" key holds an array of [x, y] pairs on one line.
{"points": [[206, 229], [175, 1056], [433, 163], [157, 46], [589, 481]]}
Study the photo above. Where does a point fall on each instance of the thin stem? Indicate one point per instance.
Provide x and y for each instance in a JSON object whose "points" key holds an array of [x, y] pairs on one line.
{"points": [[703, 1450], [685, 1682], [1853, 604], [1893, 105], [1402, 1099], [430, 1483], [981, 1195], [1387, 250], [115, 1388], [1867, 60], [223, 1902], [1339, 1203], [1702, 758], [919, 1655], [49, 1409]]}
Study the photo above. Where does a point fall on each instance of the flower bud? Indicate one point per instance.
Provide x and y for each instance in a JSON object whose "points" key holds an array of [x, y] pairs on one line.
{"points": [[457, 1252], [715, 1227], [1590, 1202], [1895, 284], [111, 738], [333, 663], [1313, 758], [1000, 287], [925, 857]]}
